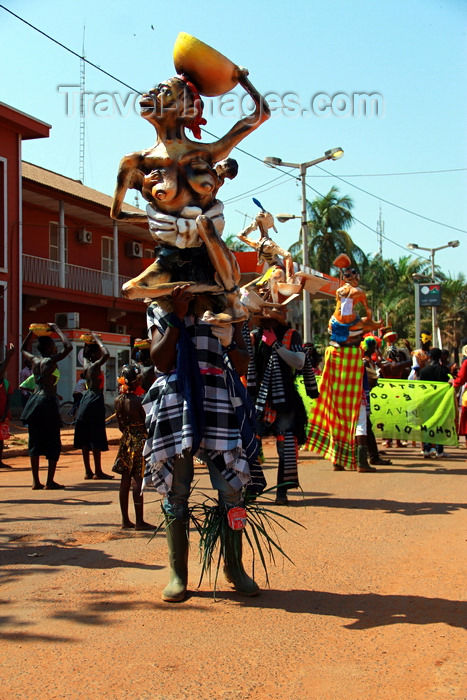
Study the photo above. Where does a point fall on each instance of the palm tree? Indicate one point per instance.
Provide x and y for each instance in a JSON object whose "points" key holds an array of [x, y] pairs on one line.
{"points": [[329, 217], [452, 315], [390, 289]]}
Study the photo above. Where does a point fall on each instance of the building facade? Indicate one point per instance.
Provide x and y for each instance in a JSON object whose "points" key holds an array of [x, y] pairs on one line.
{"points": [[62, 258]]}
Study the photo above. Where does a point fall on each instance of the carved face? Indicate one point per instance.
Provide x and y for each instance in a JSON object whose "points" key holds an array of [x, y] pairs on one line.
{"points": [[352, 277], [170, 99]]}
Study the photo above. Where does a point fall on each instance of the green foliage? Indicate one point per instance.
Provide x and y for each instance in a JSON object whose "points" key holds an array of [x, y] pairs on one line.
{"points": [[261, 533], [232, 242], [389, 285], [329, 217], [452, 316]]}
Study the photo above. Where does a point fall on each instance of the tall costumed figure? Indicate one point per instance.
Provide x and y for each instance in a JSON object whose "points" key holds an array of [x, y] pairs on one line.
{"points": [[197, 406], [340, 414]]}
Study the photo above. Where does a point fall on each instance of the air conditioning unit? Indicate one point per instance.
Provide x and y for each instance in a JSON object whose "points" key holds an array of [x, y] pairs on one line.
{"points": [[67, 319], [134, 249], [84, 236]]}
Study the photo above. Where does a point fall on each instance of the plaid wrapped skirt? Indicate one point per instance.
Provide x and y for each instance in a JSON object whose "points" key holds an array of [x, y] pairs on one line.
{"points": [[170, 432], [335, 412]]}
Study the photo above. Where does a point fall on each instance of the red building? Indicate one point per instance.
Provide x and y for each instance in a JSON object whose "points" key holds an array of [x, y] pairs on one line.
{"points": [[64, 260], [14, 128], [76, 258]]}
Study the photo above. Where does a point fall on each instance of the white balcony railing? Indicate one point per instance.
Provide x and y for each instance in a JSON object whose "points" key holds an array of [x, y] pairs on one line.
{"points": [[77, 278]]}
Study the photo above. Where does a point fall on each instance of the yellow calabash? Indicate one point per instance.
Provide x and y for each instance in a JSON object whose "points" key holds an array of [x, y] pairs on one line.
{"points": [[211, 72], [142, 344], [40, 329]]}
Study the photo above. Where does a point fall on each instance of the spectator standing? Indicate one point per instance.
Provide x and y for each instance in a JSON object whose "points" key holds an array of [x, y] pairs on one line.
{"points": [[41, 413], [90, 419], [390, 338], [369, 346], [434, 372], [5, 393], [421, 356], [129, 462]]}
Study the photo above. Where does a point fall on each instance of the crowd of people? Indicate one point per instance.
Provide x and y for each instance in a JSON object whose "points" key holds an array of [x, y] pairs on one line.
{"points": [[275, 354], [180, 398]]}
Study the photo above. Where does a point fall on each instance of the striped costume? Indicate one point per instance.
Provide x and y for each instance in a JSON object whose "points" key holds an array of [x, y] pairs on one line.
{"points": [[279, 406], [167, 414]]}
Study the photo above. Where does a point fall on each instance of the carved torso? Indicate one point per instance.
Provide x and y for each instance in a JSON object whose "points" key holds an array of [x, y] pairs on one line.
{"points": [[175, 175], [347, 297]]}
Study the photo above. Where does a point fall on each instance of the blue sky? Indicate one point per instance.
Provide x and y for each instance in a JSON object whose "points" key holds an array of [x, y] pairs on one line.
{"points": [[411, 54]]}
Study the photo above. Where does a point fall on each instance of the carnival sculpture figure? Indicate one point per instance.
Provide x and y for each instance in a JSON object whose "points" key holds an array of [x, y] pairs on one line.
{"points": [[277, 285], [345, 326], [180, 179]]}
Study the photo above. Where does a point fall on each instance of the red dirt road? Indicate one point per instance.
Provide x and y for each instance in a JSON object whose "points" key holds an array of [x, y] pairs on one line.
{"points": [[372, 607]]}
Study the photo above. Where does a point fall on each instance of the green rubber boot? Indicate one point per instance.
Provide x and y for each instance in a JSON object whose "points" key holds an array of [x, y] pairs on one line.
{"points": [[177, 541], [233, 567], [362, 459]]}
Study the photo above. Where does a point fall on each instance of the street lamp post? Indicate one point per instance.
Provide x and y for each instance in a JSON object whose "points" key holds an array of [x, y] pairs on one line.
{"points": [[432, 251], [416, 279], [272, 162]]}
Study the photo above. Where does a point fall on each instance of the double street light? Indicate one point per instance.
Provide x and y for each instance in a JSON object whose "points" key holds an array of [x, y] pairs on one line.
{"points": [[418, 278], [272, 162]]}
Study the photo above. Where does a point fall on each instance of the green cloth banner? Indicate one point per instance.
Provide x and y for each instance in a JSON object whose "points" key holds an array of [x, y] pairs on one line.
{"points": [[414, 410], [300, 386], [406, 410], [307, 402]]}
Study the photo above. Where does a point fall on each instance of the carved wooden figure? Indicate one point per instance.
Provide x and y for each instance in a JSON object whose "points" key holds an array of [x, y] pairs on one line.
{"points": [[345, 326], [277, 286], [180, 179]]}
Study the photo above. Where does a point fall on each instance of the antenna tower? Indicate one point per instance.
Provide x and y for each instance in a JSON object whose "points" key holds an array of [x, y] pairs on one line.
{"points": [[82, 110], [380, 232]]}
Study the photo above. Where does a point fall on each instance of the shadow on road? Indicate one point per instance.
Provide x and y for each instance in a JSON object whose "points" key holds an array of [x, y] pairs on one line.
{"points": [[367, 610], [27, 637], [96, 609], [57, 501], [413, 469], [99, 607], [397, 507], [36, 558]]}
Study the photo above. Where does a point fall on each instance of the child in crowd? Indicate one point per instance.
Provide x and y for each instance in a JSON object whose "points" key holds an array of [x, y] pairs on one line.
{"points": [[129, 462], [78, 391]]}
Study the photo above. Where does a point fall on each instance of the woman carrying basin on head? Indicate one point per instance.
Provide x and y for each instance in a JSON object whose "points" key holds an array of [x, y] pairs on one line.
{"points": [[41, 413]]}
